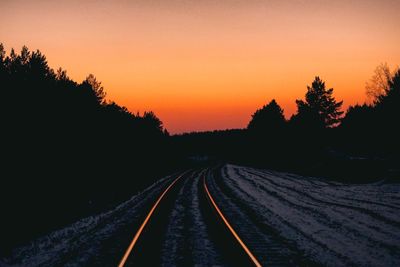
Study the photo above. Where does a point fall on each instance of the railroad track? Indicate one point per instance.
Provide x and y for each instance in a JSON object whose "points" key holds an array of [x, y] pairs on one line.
{"points": [[143, 225], [231, 216], [147, 242]]}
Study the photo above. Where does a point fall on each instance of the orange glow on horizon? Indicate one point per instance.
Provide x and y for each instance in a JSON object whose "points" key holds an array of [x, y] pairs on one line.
{"points": [[210, 65]]}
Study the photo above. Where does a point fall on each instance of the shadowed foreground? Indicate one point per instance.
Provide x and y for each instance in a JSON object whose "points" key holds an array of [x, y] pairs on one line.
{"points": [[285, 220]]}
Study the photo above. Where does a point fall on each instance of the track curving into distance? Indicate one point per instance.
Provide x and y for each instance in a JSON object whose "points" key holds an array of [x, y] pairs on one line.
{"points": [[185, 227]]}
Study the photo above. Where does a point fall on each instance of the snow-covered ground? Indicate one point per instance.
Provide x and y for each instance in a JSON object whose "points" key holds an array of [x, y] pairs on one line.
{"points": [[97, 240], [329, 223], [187, 241], [285, 219]]}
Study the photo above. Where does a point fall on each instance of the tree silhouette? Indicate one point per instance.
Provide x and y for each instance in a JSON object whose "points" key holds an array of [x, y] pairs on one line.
{"points": [[266, 135], [378, 85], [389, 99], [320, 109], [388, 112], [269, 118], [2, 53], [2, 62], [373, 128], [358, 117], [151, 121], [62, 138], [96, 88]]}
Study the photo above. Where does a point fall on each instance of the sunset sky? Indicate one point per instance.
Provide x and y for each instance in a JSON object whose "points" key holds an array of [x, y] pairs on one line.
{"points": [[203, 65]]}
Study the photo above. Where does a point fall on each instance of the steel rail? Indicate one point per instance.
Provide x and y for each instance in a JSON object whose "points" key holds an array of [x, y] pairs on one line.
{"points": [[137, 235], [228, 225]]}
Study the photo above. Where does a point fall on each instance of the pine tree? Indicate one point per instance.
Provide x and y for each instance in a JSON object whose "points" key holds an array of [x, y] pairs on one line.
{"points": [[319, 107], [269, 118]]}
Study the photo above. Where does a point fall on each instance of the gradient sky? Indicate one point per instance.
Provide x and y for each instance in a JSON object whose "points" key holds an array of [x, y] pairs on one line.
{"points": [[202, 65]]}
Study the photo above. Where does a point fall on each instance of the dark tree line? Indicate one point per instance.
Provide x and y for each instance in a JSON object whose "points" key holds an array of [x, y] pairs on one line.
{"points": [[359, 146], [282, 143], [319, 139], [67, 152], [374, 128]]}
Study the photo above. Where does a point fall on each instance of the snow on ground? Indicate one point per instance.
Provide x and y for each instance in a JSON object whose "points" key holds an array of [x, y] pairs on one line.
{"points": [[187, 242], [269, 249], [85, 242], [288, 220], [331, 223]]}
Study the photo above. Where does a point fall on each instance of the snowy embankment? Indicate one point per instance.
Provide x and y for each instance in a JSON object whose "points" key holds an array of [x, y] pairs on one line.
{"points": [[330, 223], [90, 240]]}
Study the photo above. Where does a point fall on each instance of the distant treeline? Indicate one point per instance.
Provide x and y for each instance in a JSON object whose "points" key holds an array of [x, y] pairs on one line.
{"points": [[360, 145], [67, 152]]}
